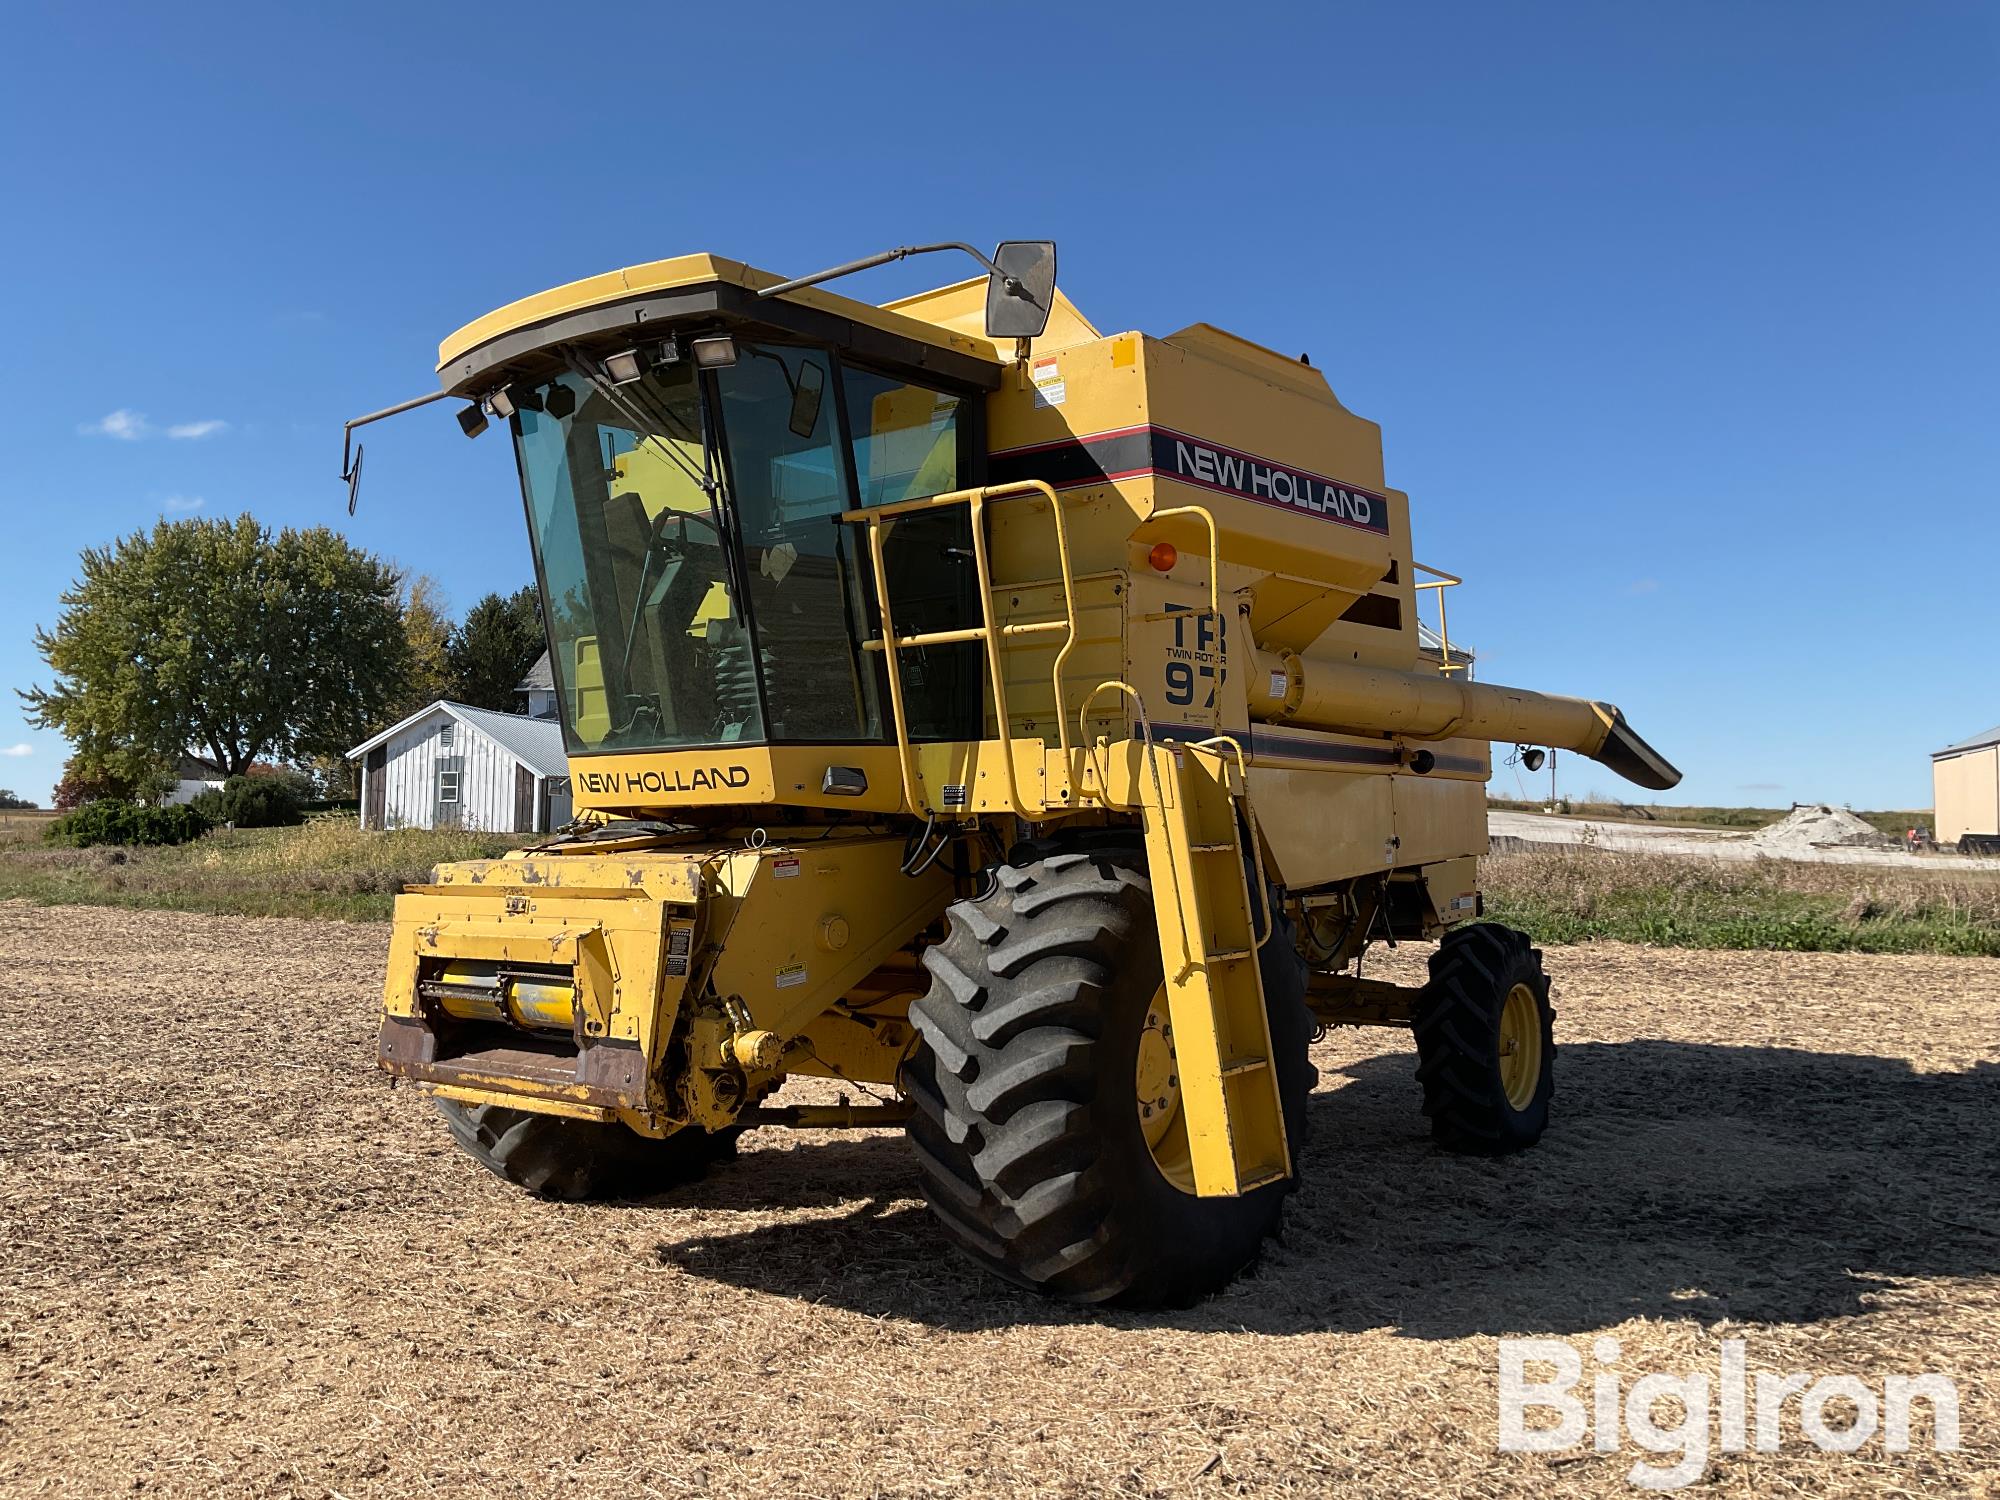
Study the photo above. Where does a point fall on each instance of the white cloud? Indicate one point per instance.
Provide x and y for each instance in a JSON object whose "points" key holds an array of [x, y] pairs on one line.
{"points": [[127, 426], [1643, 586], [183, 502], [24, 748]]}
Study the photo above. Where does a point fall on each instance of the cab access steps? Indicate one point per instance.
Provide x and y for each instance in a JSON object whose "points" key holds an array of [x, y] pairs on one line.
{"points": [[1201, 843]]}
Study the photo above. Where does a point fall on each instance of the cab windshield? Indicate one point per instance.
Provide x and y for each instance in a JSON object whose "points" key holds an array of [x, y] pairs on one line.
{"points": [[700, 585]]}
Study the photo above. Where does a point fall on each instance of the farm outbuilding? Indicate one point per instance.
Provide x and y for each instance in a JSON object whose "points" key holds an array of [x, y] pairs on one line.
{"points": [[194, 775], [538, 689], [450, 766], [1965, 782]]}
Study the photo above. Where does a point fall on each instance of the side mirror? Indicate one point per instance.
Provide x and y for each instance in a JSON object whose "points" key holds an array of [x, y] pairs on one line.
{"points": [[353, 478], [808, 391], [1020, 292]]}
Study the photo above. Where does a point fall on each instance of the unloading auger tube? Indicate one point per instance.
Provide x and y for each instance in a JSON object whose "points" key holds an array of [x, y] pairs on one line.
{"points": [[1377, 700]]}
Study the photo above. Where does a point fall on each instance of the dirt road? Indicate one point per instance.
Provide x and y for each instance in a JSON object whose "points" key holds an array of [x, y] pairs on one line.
{"points": [[235, 1262], [1537, 830]]}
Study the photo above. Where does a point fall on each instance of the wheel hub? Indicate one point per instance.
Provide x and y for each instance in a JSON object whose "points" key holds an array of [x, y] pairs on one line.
{"points": [[1520, 1046], [1157, 1097]]}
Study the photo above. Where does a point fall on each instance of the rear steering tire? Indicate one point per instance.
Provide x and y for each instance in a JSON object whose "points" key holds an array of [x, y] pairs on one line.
{"points": [[1486, 1045], [577, 1161], [1030, 1143]]}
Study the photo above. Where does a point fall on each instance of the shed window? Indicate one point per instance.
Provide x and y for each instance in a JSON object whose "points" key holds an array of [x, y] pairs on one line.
{"points": [[447, 786], [447, 734]]}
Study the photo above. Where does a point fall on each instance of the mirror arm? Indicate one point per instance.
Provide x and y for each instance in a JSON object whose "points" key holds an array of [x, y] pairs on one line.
{"points": [[347, 435], [868, 263], [349, 455]]}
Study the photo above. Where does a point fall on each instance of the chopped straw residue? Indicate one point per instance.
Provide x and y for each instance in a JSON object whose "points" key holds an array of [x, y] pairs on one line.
{"points": [[235, 1262]]}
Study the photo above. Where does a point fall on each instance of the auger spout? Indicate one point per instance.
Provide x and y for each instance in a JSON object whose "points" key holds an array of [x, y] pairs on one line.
{"points": [[1380, 700]]}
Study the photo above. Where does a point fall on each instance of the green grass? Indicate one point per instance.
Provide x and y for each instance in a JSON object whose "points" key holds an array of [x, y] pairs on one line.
{"points": [[327, 867], [330, 867], [1574, 895]]}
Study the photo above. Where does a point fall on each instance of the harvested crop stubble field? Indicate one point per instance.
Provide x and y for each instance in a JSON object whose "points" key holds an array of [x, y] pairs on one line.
{"points": [[235, 1262]]}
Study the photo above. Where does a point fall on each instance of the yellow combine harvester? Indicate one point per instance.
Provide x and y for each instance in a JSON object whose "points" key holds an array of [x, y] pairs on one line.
{"points": [[1024, 725]]}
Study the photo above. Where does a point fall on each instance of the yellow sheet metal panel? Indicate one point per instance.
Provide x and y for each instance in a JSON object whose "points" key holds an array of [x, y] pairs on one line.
{"points": [[1437, 818], [773, 956], [1177, 657], [512, 1098], [1322, 827], [1137, 425], [961, 307], [734, 775], [1454, 888], [970, 776], [1098, 653], [1377, 627], [853, 1050], [658, 874], [1294, 478]]}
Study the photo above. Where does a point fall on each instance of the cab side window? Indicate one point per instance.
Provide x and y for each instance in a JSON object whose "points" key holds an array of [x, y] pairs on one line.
{"points": [[906, 438], [907, 444]]}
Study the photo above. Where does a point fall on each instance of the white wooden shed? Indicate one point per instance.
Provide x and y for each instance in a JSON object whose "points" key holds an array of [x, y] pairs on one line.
{"points": [[450, 766], [194, 775]]}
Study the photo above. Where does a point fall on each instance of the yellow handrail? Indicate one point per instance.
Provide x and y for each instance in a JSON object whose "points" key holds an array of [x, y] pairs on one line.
{"points": [[1214, 552], [1443, 581], [1103, 769], [975, 500]]}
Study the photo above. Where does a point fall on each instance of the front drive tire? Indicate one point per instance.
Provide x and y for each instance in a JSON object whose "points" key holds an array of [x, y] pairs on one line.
{"points": [[1486, 1046], [577, 1161], [1027, 1129]]}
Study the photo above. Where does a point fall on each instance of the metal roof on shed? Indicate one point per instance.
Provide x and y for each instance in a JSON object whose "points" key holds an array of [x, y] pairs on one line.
{"points": [[1977, 742], [541, 677], [536, 743]]}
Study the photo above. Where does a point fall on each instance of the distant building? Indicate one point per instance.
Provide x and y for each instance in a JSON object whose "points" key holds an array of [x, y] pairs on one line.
{"points": [[194, 775], [1965, 786], [450, 766], [538, 689]]}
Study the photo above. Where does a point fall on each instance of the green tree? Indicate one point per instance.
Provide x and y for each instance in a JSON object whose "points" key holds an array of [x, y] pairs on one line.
{"points": [[219, 635], [81, 784], [427, 632], [493, 649]]}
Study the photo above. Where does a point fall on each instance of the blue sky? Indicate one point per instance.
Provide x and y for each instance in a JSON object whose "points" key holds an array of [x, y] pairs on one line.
{"points": [[1680, 320]]}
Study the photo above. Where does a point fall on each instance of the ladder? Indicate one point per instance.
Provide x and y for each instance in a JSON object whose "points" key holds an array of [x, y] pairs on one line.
{"points": [[1195, 804]]}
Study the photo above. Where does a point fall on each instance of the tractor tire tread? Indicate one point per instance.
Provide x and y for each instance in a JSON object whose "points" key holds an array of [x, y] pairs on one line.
{"points": [[1456, 1025], [576, 1161], [1008, 1149]]}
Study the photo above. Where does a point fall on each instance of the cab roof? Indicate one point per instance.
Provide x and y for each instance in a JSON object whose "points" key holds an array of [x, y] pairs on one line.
{"points": [[935, 330]]}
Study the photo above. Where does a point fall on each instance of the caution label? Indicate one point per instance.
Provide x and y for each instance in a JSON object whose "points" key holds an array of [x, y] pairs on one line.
{"points": [[1049, 387]]}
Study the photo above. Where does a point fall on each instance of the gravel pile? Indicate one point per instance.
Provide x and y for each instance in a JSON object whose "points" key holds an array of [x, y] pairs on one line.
{"points": [[1811, 826]]}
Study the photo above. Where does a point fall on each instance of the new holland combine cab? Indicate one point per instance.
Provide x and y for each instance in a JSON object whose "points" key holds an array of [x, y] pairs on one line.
{"points": [[1023, 726]]}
